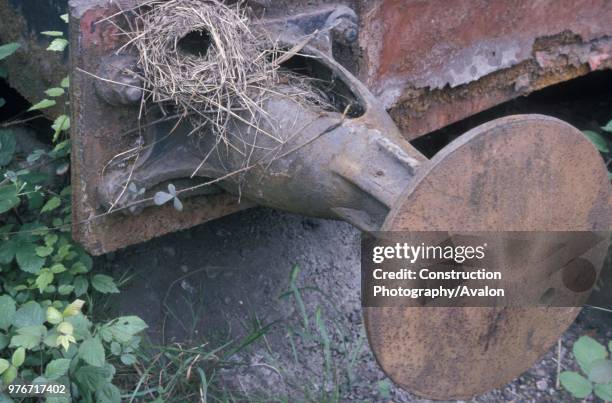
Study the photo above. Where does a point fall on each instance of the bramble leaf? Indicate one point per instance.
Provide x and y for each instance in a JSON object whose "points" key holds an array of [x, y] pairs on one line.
{"points": [[598, 141], [576, 384], [8, 49], [587, 350], [58, 45], [57, 368], [45, 103], [104, 284]]}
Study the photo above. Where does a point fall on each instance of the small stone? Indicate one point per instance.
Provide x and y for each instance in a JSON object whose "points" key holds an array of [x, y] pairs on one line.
{"points": [[184, 268], [169, 250], [542, 384], [227, 300], [187, 287]]}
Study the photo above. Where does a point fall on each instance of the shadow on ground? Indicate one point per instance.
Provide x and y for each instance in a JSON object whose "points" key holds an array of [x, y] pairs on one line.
{"points": [[229, 279]]}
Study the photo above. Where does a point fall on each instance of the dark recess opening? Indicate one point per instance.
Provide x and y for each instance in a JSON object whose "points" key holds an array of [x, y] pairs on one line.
{"points": [[195, 43], [336, 90], [585, 103], [16, 109]]}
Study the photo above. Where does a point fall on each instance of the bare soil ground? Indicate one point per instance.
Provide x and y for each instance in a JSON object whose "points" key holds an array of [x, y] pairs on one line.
{"points": [[227, 279]]}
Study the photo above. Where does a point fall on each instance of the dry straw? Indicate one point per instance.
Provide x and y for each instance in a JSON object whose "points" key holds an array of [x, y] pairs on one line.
{"points": [[202, 57]]}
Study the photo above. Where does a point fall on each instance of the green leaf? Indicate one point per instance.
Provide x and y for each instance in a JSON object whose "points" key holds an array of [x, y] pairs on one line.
{"points": [[92, 352], [65, 289], [104, 284], [8, 198], [162, 198], [178, 205], [45, 103], [57, 368], [51, 239], [74, 308], [64, 18], [4, 341], [81, 326], [58, 45], [587, 350], [30, 314], [109, 393], [7, 250], [91, 377], [4, 364], [61, 123], [607, 127], [601, 371], [115, 348], [80, 285], [65, 82], [27, 258], [384, 389], [2, 102], [51, 204], [8, 49], [598, 141], [576, 384], [9, 375], [7, 146], [58, 268], [54, 316], [55, 92], [44, 251], [45, 277], [18, 357], [125, 327], [604, 392], [65, 328], [52, 33], [7, 311], [28, 337], [3, 72], [128, 359]]}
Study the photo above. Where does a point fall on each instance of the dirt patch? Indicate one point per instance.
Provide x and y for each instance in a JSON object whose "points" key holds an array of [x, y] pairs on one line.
{"points": [[224, 280]]}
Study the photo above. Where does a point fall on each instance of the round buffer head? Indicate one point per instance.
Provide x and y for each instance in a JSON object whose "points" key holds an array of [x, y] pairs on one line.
{"points": [[519, 173]]}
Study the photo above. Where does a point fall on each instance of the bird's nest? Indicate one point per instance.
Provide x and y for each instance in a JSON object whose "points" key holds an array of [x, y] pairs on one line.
{"points": [[202, 57]]}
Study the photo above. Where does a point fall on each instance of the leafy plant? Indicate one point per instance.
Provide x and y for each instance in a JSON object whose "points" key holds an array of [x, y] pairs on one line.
{"points": [[5, 51], [162, 198], [47, 288], [596, 367], [601, 143]]}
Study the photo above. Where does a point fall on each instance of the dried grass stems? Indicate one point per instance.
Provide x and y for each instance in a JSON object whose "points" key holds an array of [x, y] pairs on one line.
{"points": [[201, 57]]}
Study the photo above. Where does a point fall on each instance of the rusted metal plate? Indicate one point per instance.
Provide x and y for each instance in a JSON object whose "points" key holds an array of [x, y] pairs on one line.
{"points": [[522, 173], [99, 132], [433, 63]]}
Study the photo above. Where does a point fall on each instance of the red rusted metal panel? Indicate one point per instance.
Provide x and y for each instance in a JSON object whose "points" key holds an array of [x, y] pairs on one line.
{"points": [[435, 62]]}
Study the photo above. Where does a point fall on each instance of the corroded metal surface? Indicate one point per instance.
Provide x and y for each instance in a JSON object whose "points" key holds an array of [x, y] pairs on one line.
{"points": [[99, 132], [433, 62], [522, 173]]}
